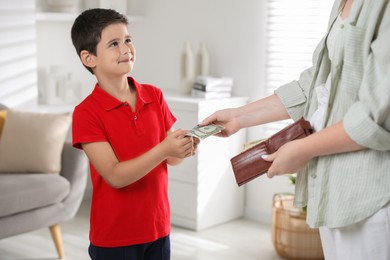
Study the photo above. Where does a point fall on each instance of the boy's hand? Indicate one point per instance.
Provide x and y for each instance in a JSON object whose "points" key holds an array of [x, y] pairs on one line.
{"points": [[195, 142], [179, 145]]}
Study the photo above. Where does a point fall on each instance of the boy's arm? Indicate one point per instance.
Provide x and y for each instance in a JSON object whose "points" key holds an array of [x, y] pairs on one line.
{"points": [[120, 174]]}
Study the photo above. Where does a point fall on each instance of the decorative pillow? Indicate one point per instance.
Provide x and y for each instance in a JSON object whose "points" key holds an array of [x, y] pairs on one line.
{"points": [[33, 142], [3, 115]]}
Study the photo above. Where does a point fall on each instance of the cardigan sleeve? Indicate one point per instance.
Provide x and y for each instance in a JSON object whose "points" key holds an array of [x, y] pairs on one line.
{"points": [[295, 94], [367, 121]]}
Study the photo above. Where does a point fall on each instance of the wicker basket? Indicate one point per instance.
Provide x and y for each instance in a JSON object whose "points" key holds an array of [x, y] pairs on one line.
{"points": [[291, 236]]}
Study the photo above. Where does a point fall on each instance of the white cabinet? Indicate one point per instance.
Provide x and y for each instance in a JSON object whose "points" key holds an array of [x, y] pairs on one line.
{"points": [[202, 189]]}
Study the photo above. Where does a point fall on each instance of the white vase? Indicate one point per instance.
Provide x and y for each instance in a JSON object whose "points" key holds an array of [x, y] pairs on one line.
{"points": [[187, 69], [56, 84], [203, 63]]}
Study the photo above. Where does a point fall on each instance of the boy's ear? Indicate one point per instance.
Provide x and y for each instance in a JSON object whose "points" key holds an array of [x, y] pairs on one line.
{"points": [[87, 59]]}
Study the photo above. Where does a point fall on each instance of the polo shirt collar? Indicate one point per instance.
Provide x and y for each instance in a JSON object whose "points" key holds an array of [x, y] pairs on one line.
{"points": [[109, 102]]}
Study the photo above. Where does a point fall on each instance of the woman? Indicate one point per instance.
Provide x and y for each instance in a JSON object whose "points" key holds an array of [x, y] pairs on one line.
{"points": [[343, 167]]}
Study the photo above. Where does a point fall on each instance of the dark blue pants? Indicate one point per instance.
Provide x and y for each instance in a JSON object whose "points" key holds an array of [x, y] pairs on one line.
{"points": [[156, 250]]}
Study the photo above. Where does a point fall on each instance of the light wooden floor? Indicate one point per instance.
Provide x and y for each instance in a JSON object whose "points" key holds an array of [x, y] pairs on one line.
{"points": [[237, 240]]}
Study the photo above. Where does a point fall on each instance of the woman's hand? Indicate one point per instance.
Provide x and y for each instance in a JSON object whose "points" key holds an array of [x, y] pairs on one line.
{"points": [[225, 118], [290, 158]]}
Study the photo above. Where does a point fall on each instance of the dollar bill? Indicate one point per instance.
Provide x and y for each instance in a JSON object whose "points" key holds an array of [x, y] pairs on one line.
{"points": [[203, 132]]}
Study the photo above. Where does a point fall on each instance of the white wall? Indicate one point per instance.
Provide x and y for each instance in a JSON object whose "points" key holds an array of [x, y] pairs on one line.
{"points": [[234, 33]]}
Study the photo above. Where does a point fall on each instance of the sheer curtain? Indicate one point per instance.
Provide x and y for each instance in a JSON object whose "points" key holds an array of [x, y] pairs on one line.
{"points": [[294, 28]]}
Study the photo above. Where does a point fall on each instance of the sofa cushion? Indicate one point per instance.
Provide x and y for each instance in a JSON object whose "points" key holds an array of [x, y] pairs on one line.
{"points": [[23, 192], [33, 142]]}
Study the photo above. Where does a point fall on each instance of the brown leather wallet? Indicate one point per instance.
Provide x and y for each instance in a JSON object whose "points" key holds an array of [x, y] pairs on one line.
{"points": [[249, 164]]}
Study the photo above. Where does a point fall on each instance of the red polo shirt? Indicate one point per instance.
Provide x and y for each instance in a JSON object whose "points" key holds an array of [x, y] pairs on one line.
{"points": [[138, 213]]}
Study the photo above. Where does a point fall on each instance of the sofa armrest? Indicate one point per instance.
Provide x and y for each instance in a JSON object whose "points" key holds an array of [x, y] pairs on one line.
{"points": [[74, 167]]}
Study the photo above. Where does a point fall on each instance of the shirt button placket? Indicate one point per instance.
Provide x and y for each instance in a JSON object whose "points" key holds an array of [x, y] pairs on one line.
{"points": [[135, 118]]}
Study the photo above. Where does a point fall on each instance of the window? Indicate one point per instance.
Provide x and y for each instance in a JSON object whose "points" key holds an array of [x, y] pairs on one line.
{"points": [[294, 29], [18, 61]]}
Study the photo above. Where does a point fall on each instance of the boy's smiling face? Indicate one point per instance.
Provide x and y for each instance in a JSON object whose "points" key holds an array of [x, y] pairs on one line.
{"points": [[115, 53]]}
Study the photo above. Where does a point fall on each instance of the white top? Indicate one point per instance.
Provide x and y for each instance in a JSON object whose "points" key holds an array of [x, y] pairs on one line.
{"points": [[323, 90]]}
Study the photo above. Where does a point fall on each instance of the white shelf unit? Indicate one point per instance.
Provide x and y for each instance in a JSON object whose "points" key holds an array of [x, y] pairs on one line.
{"points": [[202, 189], [67, 12], [70, 17]]}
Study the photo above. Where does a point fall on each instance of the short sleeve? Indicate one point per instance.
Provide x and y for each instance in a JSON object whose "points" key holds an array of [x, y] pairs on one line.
{"points": [[86, 127], [169, 118]]}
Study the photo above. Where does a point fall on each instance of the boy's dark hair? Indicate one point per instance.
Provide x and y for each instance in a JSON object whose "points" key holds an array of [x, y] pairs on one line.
{"points": [[87, 28]]}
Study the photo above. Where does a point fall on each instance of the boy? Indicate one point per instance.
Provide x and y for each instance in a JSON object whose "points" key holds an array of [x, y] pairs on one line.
{"points": [[125, 129]]}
